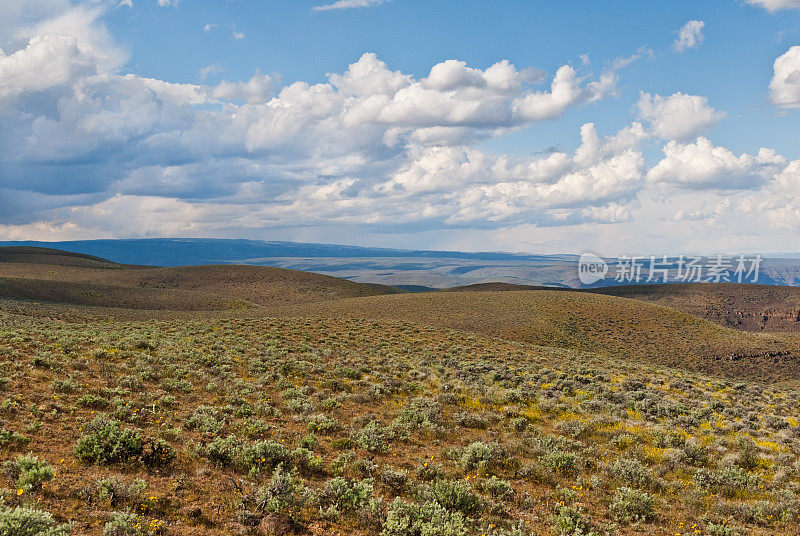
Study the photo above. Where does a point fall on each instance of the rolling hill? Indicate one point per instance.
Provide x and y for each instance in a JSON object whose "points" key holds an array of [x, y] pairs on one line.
{"points": [[747, 307], [657, 324], [38, 255], [609, 325], [218, 400], [62, 277], [395, 267]]}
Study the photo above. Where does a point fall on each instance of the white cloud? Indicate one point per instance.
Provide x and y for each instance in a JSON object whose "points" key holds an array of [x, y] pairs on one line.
{"points": [[348, 4], [164, 3], [88, 151], [775, 5], [679, 117], [82, 22], [209, 26], [689, 36], [701, 165], [472, 186], [236, 144], [785, 84], [566, 90], [48, 60], [208, 70], [256, 90]]}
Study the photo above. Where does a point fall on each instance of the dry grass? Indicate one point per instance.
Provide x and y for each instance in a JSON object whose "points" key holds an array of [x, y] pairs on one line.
{"points": [[560, 420]]}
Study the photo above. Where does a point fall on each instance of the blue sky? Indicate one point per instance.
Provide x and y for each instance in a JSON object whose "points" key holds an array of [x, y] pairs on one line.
{"points": [[290, 39], [221, 118]]}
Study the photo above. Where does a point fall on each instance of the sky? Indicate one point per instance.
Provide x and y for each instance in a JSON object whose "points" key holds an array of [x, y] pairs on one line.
{"points": [[619, 127]]}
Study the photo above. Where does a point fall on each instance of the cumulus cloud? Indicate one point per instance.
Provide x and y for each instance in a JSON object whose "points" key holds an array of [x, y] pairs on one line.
{"points": [[701, 165], [689, 36], [785, 84], [679, 117], [478, 187], [257, 89], [348, 4], [48, 60], [88, 149], [92, 140], [775, 5]]}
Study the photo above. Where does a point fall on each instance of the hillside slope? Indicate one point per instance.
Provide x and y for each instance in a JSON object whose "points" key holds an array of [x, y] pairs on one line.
{"points": [[608, 325], [90, 282], [299, 426], [747, 307], [48, 256]]}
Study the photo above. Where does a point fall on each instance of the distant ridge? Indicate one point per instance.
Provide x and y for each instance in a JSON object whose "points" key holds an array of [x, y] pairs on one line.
{"points": [[186, 251], [39, 255], [413, 270]]}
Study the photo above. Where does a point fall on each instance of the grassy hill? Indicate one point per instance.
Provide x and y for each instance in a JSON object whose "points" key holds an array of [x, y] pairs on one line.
{"points": [[341, 426], [37, 255], [608, 325], [741, 306], [47, 276], [495, 287], [748, 307], [254, 401]]}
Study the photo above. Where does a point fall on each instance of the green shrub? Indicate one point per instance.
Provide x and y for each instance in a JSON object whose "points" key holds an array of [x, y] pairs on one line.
{"points": [[92, 401], [107, 442], [497, 488], [26, 521], [300, 405], [429, 472], [264, 454], [781, 507], [420, 412], [341, 495], [482, 456], [374, 437], [124, 524], [29, 471], [118, 492], [12, 440], [427, 519], [455, 495], [519, 424], [631, 472], [569, 521], [285, 493], [748, 455], [559, 461], [307, 462], [67, 385], [394, 479], [322, 424], [205, 419], [631, 506], [722, 529], [468, 419], [223, 451], [727, 480], [157, 453]]}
